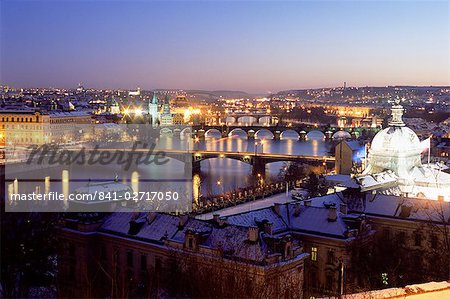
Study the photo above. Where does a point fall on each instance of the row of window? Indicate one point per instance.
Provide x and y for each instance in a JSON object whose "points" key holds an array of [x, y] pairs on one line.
{"points": [[330, 256], [130, 259], [18, 119], [418, 238]]}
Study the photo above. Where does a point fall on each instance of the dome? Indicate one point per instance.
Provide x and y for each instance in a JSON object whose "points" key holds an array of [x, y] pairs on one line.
{"points": [[341, 135], [395, 148], [396, 140]]}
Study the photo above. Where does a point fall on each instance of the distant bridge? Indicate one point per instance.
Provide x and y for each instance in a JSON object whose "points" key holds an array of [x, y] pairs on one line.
{"points": [[257, 160], [277, 131]]}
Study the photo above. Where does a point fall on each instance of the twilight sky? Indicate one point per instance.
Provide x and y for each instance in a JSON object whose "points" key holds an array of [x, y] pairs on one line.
{"points": [[255, 46]]}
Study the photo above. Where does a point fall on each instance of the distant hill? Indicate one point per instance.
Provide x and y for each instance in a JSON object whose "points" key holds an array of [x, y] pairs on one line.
{"points": [[216, 94]]}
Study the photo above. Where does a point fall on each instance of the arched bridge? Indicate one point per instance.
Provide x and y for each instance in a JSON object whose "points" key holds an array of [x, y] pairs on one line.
{"points": [[257, 160], [277, 132]]}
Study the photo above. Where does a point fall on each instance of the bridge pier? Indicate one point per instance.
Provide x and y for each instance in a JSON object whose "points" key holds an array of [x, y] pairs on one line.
{"points": [[277, 135], [196, 166]]}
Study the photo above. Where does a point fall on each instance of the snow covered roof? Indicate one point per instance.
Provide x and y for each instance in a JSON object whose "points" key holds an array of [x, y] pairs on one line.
{"points": [[343, 180], [69, 114], [377, 180], [390, 206], [353, 145], [296, 217], [231, 239], [427, 290]]}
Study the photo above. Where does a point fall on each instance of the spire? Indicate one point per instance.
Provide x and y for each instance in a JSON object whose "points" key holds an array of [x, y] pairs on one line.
{"points": [[397, 113], [166, 107], [154, 100]]}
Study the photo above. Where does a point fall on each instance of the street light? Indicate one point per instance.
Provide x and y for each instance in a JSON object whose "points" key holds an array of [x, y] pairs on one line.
{"points": [[219, 184]]}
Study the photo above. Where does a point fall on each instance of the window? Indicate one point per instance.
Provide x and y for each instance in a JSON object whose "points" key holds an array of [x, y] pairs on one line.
{"points": [[117, 259], [104, 255], [71, 262], [158, 264], [143, 262], [313, 279], [434, 241], [330, 257], [314, 253], [190, 243], [329, 282], [401, 237], [417, 239], [129, 259], [384, 278], [71, 250]]}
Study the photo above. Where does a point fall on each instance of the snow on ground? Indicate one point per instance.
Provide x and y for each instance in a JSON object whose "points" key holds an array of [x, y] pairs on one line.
{"points": [[248, 206]]}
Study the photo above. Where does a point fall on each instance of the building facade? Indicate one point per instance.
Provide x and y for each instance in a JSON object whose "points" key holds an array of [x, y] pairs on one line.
{"points": [[150, 254], [153, 110]]}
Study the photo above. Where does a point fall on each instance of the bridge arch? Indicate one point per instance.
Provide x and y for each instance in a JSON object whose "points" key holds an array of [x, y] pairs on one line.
{"points": [[165, 131], [264, 134], [229, 120], [247, 120], [213, 133], [238, 132], [341, 135], [315, 135], [289, 134], [265, 120], [186, 131]]}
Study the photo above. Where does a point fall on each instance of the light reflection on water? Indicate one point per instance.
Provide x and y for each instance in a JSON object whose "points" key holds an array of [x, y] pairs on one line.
{"points": [[230, 173]]}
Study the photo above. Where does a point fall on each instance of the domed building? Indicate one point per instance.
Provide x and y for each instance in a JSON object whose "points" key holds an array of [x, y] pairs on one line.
{"points": [[396, 148], [395, 164], [341, 135]]}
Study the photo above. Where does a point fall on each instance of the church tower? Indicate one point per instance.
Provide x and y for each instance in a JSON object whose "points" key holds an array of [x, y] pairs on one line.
{"points": [[153, 110], [166, 116]]}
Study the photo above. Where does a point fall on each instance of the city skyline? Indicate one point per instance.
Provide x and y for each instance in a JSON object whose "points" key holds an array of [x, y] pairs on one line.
{"points": [[254, 47]]}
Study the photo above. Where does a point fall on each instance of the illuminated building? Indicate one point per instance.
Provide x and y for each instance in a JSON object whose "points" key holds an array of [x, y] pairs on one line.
{"points": [[342, 122], [135, 93], [349, 154], [166, 118], [395, 164], [178, 118], [113, 106], [26, 127], [153, 110]]}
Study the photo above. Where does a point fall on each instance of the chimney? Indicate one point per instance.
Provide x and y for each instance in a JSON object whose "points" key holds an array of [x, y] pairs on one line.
{"points": [[216, 218], [296, 209], [150, 217], [277, 208], [253, 234], [343, 208], [307, 203], [268, 227], [332, 214], [183, 219], [222, 221]]}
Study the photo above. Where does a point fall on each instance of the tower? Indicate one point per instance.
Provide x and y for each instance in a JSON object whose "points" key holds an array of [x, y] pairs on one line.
{"points": [[166, 108], [166, 116], [153, 110]]}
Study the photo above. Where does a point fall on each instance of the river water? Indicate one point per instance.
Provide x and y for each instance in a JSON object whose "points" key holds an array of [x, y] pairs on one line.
{"points": [[217, 175]]}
